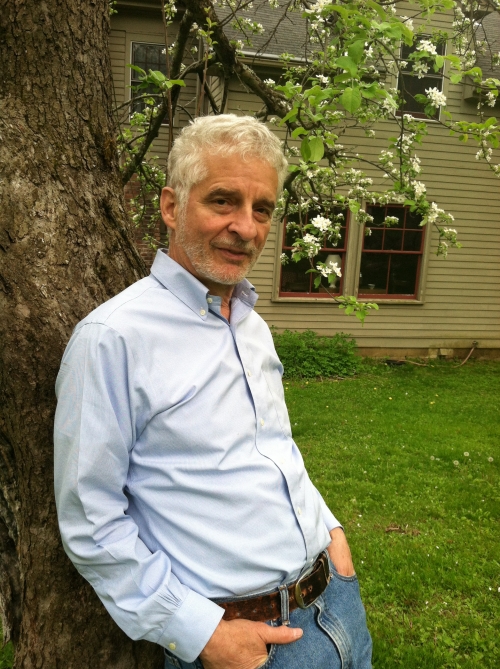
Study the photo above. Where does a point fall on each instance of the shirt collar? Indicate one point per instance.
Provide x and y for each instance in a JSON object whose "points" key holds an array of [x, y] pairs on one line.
{"points": [[189, 290]]}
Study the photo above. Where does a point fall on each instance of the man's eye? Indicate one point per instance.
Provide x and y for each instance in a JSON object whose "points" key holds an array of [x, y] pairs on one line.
{"points": [[263, 212], [221, 201]]}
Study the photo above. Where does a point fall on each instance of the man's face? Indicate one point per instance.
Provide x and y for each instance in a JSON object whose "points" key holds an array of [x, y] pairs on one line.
{"points": [[223, 229]]}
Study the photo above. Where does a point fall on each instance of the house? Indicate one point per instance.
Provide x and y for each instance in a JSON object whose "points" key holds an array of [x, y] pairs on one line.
{"points": [[429, 306]]}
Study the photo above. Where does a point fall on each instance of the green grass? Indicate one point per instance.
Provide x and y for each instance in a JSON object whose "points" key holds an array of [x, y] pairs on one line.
{"points": [[431, 586], [425, 532]]}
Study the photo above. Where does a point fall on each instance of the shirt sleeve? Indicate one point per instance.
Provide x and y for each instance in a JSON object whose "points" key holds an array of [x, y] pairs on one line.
{"points": [[101, 408], [328, 518]]}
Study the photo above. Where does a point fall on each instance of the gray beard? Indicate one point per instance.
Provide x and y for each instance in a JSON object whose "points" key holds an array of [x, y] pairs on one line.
{"points": [[207, 268]]}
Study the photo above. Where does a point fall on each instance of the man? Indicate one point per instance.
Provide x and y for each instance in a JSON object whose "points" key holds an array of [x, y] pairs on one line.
{"points": [[181, 495]]}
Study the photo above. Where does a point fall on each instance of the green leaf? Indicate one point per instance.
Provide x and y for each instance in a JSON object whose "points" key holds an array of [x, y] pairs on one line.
{"points": [[377, 8], [456, 78], [317, 281], [351, 99], [355, 51], [439, 63], [175, 82], [293, 168], [354, 206], [317, 149], [305, 149], [137, 69], [348, 64], [349, 309], [298, 131], [291, 116]]}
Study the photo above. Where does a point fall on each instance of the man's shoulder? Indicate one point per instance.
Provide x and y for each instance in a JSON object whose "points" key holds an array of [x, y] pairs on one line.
{"points": [[118, 311]]}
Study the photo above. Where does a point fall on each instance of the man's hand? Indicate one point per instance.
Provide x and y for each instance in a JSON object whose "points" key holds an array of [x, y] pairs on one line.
{"points": [[340, 553], [241, 644]]}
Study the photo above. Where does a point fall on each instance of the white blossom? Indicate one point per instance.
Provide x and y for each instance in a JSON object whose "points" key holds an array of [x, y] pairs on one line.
{"points": [[330, 268], [419, 189], [427, 45], [436, 97], [321, 223], [420, 69]]}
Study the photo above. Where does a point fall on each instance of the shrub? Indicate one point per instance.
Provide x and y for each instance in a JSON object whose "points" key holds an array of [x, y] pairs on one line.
{"points": [[305, 355]]}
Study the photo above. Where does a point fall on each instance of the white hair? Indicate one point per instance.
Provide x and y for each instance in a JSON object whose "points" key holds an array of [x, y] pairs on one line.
{"points": [[224, 134]]}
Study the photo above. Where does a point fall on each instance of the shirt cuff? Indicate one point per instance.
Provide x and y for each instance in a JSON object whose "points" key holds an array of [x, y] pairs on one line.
{"points": [[190, 629], [329, 519]]}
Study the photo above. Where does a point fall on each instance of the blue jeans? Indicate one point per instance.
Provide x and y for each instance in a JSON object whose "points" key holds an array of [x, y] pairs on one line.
{"points": [[335, 633]]}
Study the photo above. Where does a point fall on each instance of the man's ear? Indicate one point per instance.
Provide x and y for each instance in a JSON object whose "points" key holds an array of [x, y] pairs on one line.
{"points": [[169, 207]]}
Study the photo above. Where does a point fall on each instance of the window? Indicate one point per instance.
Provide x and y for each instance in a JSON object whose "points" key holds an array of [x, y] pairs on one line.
{"points": [[148, 57], [294, 282], [411, 83], [391, 257]]}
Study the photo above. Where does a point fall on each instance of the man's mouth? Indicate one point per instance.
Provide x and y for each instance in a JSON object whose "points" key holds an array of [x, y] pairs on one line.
{"points": [[233, 253]]}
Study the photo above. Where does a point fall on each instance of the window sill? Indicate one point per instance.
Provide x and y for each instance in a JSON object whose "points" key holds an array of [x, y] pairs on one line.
{"points": [[331, 300]]}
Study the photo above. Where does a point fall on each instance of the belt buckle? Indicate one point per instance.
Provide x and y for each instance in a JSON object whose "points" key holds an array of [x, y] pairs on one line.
{"points": [[326, 573]]}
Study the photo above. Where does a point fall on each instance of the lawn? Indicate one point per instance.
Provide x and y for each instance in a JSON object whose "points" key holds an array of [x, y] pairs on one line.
{"points": [[408, 459]]}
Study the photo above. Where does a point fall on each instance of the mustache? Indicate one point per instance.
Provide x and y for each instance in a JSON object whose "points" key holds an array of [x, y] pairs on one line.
{"points": [[235, 244]]}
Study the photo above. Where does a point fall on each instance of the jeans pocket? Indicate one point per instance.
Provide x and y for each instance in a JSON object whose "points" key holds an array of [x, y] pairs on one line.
{"points": [[335, 574], [270, 657]]}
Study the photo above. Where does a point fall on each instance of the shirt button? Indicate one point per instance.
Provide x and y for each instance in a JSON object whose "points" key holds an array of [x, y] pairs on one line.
{"points": [[299, 510], [249, 373], [172, 645], [262, 422], [209, 300], [202, 312]]}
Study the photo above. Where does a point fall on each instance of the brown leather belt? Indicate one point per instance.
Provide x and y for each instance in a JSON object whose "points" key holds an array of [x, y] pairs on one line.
{"points": [[268, 607]]}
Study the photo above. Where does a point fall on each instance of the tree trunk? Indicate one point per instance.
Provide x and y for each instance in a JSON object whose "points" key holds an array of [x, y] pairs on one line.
{"points": [[65, 247]]}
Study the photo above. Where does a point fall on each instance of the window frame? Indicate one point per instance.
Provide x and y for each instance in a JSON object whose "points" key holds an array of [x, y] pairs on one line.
{"points": [[345, 251], [147, 41], [352, 268], [438, 76], [379, 298]]}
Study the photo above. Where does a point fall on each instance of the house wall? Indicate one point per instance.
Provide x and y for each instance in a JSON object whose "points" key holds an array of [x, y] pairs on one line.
{"points": [[460, 295], [460, 301]]}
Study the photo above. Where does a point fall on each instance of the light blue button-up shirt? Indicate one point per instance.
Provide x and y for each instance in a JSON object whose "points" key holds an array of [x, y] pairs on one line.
{"points": [[177, 478]]}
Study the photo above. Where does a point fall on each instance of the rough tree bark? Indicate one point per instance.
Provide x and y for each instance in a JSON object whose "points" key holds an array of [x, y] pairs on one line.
{"points": [[64, 248]]}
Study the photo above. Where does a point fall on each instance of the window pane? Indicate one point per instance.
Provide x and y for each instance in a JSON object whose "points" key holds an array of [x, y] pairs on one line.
{"points": [[333, 288], [149, 57], [409, 86], [393, 240], [399, 213], [374, 240], [294, 278], [340, 243], [413, 220], [403, 274], [291, 235], [374, 267], [413, 240], [378, 214]]}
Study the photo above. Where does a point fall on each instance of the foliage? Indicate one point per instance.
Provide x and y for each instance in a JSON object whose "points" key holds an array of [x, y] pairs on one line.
{"points": [[340, 86], [402, 457], [305, 355]]}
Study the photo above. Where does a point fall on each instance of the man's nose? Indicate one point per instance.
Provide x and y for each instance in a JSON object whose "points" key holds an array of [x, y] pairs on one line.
{"points": [[244, 224]]}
